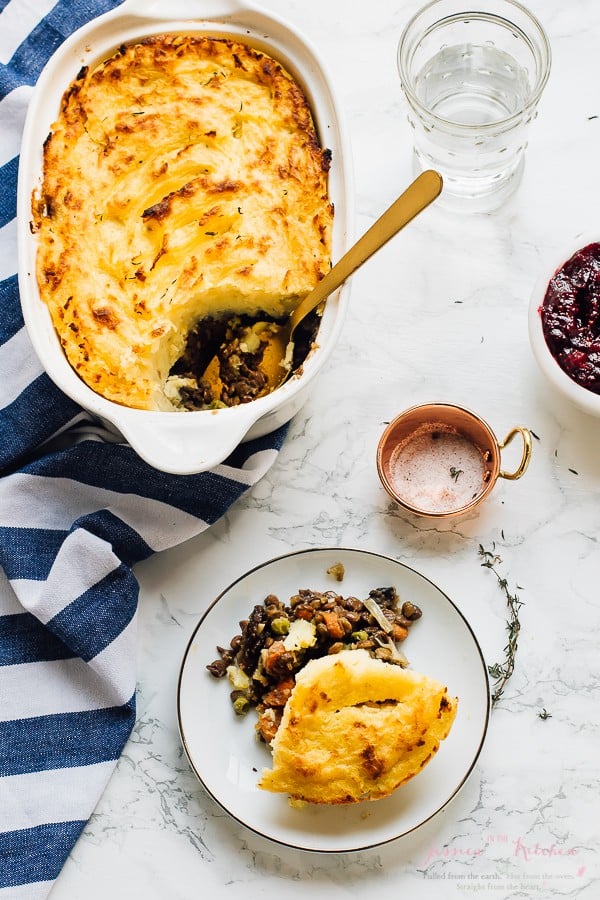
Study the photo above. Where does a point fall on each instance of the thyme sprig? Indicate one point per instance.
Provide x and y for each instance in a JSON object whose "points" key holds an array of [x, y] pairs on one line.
{"points": [[501, 672]]}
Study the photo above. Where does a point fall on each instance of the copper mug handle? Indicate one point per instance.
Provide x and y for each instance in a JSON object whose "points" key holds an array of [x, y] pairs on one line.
{"points": [[522, 467]]}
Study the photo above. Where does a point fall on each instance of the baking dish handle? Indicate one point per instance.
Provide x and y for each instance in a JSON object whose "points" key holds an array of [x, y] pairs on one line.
{"points": [[185, 9], [172, 446]]}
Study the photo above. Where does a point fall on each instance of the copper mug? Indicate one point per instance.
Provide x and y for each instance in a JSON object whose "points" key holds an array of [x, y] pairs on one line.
{"points": [[413, 428]]}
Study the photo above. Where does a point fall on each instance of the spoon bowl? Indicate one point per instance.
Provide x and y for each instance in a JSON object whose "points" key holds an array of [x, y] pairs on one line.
{"points": [[276, 363]]}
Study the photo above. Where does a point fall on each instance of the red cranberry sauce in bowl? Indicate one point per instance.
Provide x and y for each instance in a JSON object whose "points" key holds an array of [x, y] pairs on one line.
{"points": [[570, 314]]}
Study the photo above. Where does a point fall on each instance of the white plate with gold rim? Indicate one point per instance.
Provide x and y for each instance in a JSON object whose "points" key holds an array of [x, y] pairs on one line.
{"points": [[227, 758]]}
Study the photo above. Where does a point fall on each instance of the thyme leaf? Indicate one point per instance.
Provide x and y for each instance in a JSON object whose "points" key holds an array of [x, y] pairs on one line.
{"points": [[455, 473], [500, 672], [544, 714]]}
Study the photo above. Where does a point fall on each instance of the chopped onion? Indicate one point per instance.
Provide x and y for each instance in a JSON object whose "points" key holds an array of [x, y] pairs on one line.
{"points": [[397, 655], [377, 613]]}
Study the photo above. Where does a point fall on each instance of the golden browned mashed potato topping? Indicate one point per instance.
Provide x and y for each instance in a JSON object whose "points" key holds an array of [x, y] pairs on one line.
{"points": [[182, 180], [356, 728]]}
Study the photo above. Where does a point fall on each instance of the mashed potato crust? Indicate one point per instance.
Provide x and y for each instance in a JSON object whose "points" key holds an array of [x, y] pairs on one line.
{"points": [[182, 179], [356, 728]]}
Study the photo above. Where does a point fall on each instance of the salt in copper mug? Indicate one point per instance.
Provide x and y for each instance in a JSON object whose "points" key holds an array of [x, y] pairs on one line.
{"points": [[425, 452]]}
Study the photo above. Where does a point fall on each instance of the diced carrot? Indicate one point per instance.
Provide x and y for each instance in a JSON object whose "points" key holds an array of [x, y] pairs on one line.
{"points": [[334, 627], [399, 632], [274, 653], [267, 726], [279, 695]]}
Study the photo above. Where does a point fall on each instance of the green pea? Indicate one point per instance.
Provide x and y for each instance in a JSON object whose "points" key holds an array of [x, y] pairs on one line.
{"points": [[280, 625], [241, 705], [359, 636]]}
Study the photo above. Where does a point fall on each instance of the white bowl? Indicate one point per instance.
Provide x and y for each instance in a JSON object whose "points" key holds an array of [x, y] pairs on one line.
{"points": [[182, 442], [582, 397]]}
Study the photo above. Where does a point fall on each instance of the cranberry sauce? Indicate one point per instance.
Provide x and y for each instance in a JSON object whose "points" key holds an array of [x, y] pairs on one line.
{"points": [[571, 317]]}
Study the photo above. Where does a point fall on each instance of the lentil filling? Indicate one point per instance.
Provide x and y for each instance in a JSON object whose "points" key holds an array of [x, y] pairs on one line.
{"points": [[239, 350], [278, 639]]}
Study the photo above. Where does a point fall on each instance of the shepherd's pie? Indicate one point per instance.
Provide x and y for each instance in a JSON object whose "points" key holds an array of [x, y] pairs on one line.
{"points": [[183, 179]]}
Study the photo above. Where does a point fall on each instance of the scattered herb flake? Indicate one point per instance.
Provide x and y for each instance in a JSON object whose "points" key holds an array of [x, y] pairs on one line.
{"points": [[544, 714], [574, 472], [455, 473]]}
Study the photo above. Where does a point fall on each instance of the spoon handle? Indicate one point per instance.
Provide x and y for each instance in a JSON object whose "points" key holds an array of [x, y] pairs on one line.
{"points": [[424, 189]]}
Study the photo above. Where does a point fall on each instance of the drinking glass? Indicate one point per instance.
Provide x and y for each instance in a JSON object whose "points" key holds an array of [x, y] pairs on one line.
{"points": [[472, 75]]}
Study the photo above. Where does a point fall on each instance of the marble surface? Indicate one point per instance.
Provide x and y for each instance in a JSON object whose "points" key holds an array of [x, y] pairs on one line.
{"points": [[440, 313]]}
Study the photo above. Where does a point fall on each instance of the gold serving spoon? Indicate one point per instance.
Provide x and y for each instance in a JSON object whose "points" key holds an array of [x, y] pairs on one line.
{"points": [[277, 352]]}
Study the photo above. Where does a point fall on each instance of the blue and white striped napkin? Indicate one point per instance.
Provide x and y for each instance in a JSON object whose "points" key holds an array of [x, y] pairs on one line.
{"points": [[76, 512]]}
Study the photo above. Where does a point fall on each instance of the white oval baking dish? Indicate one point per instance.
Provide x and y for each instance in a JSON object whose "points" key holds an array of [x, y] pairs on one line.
{"points": [[182, 442]]}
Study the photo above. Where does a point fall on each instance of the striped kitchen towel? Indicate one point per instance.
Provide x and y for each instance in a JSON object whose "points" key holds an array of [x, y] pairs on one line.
{"points": [[77, 511]]}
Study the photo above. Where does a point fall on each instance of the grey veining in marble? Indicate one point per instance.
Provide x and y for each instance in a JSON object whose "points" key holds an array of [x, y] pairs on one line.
{"points": [[440, 313]]}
